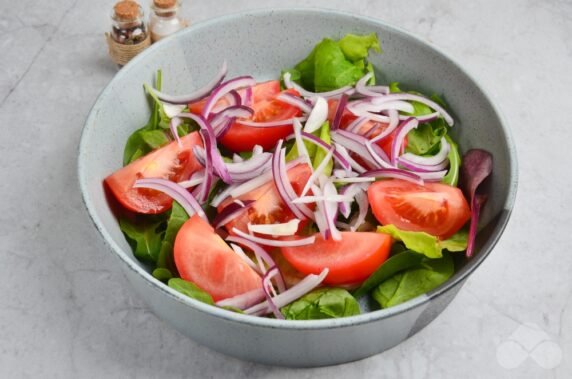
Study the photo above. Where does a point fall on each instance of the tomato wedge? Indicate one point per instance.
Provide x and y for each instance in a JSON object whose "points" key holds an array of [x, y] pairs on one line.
{"points": [[169, 162], [202, 257], [268, 207], [350, 261], [435, 208], [348, 118], [266, 109]]}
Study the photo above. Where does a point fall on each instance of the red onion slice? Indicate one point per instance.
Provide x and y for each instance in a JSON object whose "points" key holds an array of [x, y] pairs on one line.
{"points": [[174, 125], [436, 159], [416, 167], [239, 111], [196, 95], [378, 155], [340, 111], [363, 205], [260, 180], [331, 211], [363, 89], [318, 171], [230, 212], [247, 97], [350, 190], [344, 153], [244, 300], [220, 91], [172, 110], [318, 116], [400, 134], [315, 198], [294, 293], [355, 125], [295, 101], [175, 191], [262, 258], [267, 287], [284, 186], [238, 250], [322, 144], [300, 145], [394, 173], [291, 84], [196, 179], [432, 176], [285, 229], [393, 123], [275, 243], [421, 99], [354, 143]]}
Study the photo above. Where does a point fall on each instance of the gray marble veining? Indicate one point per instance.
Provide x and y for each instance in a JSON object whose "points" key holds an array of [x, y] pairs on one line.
{"points": [[68, 312]]}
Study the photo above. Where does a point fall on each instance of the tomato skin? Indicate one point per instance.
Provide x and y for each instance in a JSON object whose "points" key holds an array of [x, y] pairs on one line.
{"points": [[351, 260], [266, 108], [268, 206], [435, 208], [202, 257], [169, 162]]}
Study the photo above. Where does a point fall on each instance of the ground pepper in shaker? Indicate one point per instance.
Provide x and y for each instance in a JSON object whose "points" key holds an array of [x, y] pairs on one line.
{"points": [[165, 19], [129, 34]]}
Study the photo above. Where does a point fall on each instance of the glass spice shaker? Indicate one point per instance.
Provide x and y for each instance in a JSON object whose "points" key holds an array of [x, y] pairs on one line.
{"points": [[165, 19], [128, 26]]}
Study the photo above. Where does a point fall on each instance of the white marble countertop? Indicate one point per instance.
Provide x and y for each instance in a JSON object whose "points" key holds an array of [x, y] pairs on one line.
{"points": [[67, 311]]}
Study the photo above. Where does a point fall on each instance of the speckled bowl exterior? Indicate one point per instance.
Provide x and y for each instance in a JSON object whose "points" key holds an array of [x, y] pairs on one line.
{"points": [[262, 43]]}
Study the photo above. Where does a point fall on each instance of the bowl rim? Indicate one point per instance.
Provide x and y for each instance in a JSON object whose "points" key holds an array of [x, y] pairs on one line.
{"points": [[238, 318]]}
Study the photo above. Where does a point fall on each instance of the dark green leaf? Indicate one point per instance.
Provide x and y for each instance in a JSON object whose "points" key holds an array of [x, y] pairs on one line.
{"points": [[144, 236], [414, 282], [177, 218], [155, 138], [399, 262], [322, 303], [191, 290]]}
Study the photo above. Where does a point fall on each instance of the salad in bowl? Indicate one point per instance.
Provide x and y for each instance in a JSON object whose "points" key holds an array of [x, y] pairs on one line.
{"points": [[294, 198]]}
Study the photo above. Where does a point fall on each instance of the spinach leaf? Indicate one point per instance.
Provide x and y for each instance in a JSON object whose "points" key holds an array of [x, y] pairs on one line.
{"points": [[154, 138], [452, 177], [177, 218], [322, 303], [399, 262], [144, 236], [191, 290], [414, 282], [334, 64], [135, 147], [424, 243]]}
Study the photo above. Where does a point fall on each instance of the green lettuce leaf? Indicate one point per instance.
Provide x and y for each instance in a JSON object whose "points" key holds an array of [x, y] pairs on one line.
{"points": [[414, 282], [191, 290], [334, 64], [396, 263], [322, 303], [424, 243]]}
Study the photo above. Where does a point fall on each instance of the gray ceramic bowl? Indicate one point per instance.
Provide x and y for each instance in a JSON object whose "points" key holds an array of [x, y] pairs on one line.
{"points": [[262, 43]]}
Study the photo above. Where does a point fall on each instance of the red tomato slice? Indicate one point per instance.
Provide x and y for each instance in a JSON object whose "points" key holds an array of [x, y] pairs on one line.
{"points": [[351, 260], [348, 118], [268, 207], [435, 208], [202, 257], [169, 162], [266, 109]]}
